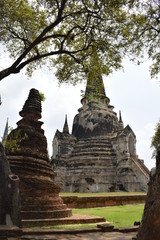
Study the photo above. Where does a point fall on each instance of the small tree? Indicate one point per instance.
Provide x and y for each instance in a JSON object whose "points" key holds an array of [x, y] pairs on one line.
{"points": [[42, 97], [12, 143]]}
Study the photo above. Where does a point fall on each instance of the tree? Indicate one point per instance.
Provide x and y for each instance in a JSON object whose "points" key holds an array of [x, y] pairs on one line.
{"points": [[62, 34], [156, 140], [146, 34]]}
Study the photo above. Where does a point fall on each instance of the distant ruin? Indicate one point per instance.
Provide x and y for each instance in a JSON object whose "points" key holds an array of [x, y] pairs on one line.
{"points": [[100, 154]]}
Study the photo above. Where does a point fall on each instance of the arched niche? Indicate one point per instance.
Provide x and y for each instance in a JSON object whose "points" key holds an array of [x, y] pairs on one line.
{"points": [[131, 145]]}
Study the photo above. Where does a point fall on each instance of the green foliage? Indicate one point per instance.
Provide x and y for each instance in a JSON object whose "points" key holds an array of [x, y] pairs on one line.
{"points": [[156, 139], [42, 97], [63, 33], [92, 96], [14, 139], [145, 39]]}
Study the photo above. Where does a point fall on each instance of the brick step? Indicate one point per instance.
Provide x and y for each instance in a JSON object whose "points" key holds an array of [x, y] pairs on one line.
{"points": [[46, 214], [25, 169], [92, 152], [32, 160], [98, 138], [93, 173], [81, 167], [95, 167], [94, 158], [94, 148], [33, 164], [93, 143], [44, 208], [74, 219]]}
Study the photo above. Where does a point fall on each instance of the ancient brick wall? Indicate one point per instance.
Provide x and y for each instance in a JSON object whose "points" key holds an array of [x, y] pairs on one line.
{"points": [[102, 201]]}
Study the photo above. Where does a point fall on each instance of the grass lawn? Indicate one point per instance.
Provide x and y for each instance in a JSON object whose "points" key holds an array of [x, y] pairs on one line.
{"points": [[65, 194], [119, 216], [76, 226]]}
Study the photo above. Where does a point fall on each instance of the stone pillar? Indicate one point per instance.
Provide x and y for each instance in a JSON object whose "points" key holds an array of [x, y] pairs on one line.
{"points": [[9, 193], [150, 225]]}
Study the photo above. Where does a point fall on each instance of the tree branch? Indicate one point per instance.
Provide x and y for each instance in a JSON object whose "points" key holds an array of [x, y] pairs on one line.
{"points": [[6, 72], [38, 39]]}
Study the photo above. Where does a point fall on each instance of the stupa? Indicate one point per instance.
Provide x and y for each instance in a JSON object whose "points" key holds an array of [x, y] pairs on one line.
{"points": [[29, 160], [100, 154]]}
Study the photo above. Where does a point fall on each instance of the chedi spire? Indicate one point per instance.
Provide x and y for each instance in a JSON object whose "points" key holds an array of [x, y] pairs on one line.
{"points": [[66, 128], [5, 134], [32, 104], [95, 87]]}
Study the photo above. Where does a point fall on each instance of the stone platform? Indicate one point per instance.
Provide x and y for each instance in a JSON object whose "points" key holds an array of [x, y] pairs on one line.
{"points": [[74, 219], [103, 231], [84, 236], [78, 234]]}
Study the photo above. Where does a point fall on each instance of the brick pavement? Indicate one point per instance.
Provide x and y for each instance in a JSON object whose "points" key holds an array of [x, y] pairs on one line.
{"points": [[84, 236]]}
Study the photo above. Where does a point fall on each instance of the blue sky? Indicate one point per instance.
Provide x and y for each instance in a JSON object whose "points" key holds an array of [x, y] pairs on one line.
{"points": [[132, 91]]}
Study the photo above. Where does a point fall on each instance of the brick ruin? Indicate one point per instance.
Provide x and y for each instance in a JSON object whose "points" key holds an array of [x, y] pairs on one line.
{"points": [[100, 154], [40, 200], [9, 194]]}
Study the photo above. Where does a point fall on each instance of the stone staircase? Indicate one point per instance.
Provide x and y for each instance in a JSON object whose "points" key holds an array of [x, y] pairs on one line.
{"points": [[145, 171], [91, 166], [74, 219], [93, 148]]}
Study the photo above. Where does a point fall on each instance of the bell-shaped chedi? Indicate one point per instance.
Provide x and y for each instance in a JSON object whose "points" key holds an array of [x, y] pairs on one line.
{"points": [[100, 154], [150, 225], [29, 160]]}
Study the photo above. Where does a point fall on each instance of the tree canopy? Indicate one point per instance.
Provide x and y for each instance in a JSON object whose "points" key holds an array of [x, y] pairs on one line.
{"points": [[146, 34], [63, 33]]}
